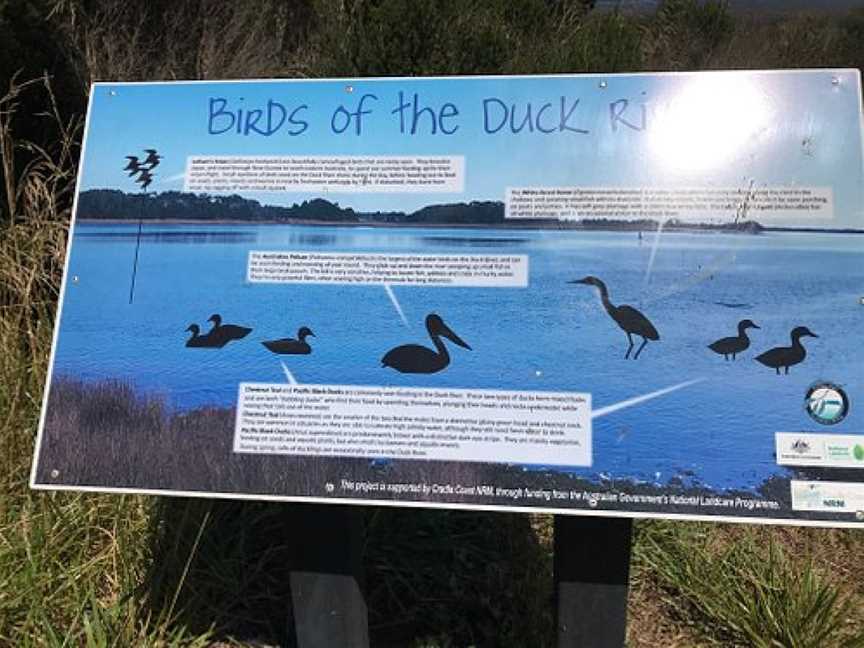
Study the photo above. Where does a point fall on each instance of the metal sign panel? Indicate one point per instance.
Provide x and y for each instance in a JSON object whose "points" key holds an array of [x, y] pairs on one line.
{"points": [[633, 295]]}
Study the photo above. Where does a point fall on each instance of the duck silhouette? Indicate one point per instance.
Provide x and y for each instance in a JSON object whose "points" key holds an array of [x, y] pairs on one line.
{"points": [[732, 345], [222, 334], [787, 356], [290, 346], [417, 359], [201, 341], [631, 321]]}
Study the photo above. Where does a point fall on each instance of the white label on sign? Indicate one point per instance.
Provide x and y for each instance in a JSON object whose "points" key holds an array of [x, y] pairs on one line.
{"points": [[482, 270], [526, 427], [835, 497], [338, 173], [682, 203], [829, 450]]}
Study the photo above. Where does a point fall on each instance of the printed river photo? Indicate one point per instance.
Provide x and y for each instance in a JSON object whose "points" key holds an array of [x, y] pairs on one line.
{"points": [[713, 427]]}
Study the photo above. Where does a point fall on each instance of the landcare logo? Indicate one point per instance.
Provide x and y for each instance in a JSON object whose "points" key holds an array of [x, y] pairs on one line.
{"points": [[826, 403]]}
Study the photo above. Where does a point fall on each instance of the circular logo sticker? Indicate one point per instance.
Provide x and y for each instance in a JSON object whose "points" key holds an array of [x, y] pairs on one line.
{"points": [[826, 403]]}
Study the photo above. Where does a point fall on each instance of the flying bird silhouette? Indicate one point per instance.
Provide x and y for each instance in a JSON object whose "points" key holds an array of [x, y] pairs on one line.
{"points": [[631, 321], [152, 159], [144, 179], [133, 165]]}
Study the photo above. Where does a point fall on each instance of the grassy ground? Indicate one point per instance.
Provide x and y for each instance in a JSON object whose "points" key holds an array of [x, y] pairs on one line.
{"points": [[101, 570]]}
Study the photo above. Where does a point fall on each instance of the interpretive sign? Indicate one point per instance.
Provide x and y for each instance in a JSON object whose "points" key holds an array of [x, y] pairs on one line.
{"points": [[629, 295]]}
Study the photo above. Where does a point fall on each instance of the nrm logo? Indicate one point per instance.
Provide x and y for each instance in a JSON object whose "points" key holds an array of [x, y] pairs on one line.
{"points": [[833, 502]]}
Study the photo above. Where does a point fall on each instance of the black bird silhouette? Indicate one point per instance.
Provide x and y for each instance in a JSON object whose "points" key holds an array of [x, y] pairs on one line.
{"points": [[144, 179], [732, 345], [202, 341], [417, 359], [631, 321], [290, 346], [222, 334], [152, 159], [787, 356], [134, 166]]}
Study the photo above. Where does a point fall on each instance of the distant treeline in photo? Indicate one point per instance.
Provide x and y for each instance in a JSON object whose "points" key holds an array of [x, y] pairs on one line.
{"points": [[112, 204]]}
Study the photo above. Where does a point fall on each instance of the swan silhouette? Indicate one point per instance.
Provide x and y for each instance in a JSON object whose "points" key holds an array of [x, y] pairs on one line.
{"points": [[631, 321], [732, 345], [291, 346], [222, 334], [201, 341], [417, 359], [787, 356]]}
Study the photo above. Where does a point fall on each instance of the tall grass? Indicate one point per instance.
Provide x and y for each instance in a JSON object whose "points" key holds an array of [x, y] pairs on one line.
{"points": [[745, 590]]}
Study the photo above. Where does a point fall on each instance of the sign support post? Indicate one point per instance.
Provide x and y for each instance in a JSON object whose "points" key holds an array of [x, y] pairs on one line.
{"points": [[327, 602], [591, 572]]}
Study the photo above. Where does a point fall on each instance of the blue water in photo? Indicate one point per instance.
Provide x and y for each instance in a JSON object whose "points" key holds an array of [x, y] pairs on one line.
{"points": [[694, 287]]}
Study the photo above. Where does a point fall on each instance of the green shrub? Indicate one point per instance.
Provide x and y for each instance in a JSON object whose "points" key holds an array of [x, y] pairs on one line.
{"points": [[744, 593]]}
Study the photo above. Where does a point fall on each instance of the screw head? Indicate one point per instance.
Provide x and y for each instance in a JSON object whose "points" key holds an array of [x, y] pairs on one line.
{"points": [[602, 84], [835, 80], [74, 278], [55, 474], [349, 88]]}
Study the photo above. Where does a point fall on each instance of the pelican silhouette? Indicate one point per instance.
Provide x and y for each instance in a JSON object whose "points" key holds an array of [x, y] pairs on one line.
{"points": [[152, 159], [732, 345], [291, 346], [202, 341], [222, 334], [787, 356], [417, 359], [631, 321]]}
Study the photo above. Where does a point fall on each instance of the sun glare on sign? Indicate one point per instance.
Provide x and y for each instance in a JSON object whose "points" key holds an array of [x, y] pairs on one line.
{"points": [[708, 123]]}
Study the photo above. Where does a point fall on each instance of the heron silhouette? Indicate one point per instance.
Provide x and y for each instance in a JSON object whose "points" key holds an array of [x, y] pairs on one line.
{"points": [[417, 359], [225, 333], [290, 346], [736, 344], [631, 321], [786, 357]]}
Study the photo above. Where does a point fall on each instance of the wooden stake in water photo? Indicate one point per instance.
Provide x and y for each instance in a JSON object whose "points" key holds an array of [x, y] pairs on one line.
{"points": [[145, 176]]}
